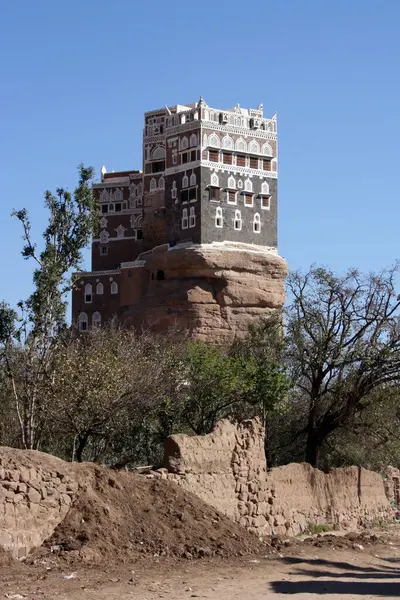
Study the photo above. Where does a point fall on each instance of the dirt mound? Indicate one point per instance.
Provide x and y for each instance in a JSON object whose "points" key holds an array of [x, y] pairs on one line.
{"points": [[122, 516]]}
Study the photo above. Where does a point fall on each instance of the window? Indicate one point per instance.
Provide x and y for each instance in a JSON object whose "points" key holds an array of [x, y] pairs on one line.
{"points": [[265, 202], [88, 293], [185, 181], [153, 184], [265, 188], [118, 207], [248, 199], [231, 197], [118, 196], [185, 220], [96, 319], [240, 184], [254, 147], [213, 155], [158, 153], [218, 217], [104, 209], [161, 183], [214, 194], [193, 155], [99, 288], [173, 190], [139, 234], [214, 141], [185, 196], [174, 157], [83, 321], [226, 158], [267, 150], [120, 231], [257, 223], [160, 276], [240, 145], [192, 194], [241, 160], [192, 217], [237, 223], [103, 222], [158, 167], [253, 162], [193, 179], [103, 250], [184, 157], [114, 287], [227, 142], [214, 180], [266, 165], [193, 140], [184, 143], [231, 183], [248, 186], [104, 196]]}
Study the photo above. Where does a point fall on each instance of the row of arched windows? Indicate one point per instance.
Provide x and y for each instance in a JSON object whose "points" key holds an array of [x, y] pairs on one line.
{"points": [[99, 290], [188, 219], [83, 320], [237, 221], [189, 143], [247, 185], [227, 143], [154, 184], [185, 180]]}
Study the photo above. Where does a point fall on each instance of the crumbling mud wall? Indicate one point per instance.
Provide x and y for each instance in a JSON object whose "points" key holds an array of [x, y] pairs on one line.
{"points": [[227, 469], [36, 491]]}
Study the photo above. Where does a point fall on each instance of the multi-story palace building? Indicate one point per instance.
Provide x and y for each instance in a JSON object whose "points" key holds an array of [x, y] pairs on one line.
{"points": [[209, 176]]}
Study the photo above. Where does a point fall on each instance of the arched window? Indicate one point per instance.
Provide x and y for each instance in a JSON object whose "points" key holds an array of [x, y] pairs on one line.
{"points": [[257, 223], [193, 140], [88, 293], [185, 219], [158, 153], [120, 231], [183, 119], [118, 196], [104, 235], [218, 217], [132, 190], [103, 222], [114, 287], [265, 188], [214, 180], [227, 142], [185, 181], [173, 190], [248, 186], [240, 145], [193, 179], [274, 165], [205, 140], [254, 147], [231, 183], [237, 223], [240, 184], [161, 183], [96, 319], [214, 141], [184, 143], [104, 196], [139, 189], [100, 289], [267, 150], [153, 184], [192, 217], [83, 321]]}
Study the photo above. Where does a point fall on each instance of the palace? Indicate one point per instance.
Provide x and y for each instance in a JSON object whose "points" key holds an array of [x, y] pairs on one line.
{"points": [[208, 181]]}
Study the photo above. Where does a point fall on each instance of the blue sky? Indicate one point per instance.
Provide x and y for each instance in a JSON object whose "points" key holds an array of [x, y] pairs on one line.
{"points": [[77, 75]]}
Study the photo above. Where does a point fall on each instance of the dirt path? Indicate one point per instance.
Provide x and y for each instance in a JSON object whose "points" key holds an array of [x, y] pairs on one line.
{"points": [[305, 573]]}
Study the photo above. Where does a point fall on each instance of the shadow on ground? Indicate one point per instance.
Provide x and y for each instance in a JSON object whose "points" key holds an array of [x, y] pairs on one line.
{"points": [[368, 581]]}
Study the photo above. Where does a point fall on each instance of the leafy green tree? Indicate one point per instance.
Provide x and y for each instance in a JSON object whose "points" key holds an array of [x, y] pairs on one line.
{"points": [[37, 333]]}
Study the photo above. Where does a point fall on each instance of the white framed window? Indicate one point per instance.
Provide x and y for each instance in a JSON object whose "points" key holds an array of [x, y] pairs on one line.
{"points": [[265, 202], [103, 222], [83, 321], [248, 199], [99, 288], [184, 143], [114, 287], [133, 190], [192, 217], [237, 223], [254, 147], [274, 166], [248, 186], [158, 153], [173, 190], [267, 150], [185, 181], [218, 217], [88, 293], [139, 189], [118, 196], [193, 179], [227, 142], [265, 188], [185, 220], [231, 183], [241, 145], [153, 184], [96, 319], [104, 196], [161, 183], [257, 223], [214, 180], [174, 157], [193, 140], [213, 141], [120, 231], [231, 197]]}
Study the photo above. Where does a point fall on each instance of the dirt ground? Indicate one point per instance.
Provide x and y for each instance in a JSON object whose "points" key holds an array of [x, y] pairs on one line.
{"points": [[331, 568]]}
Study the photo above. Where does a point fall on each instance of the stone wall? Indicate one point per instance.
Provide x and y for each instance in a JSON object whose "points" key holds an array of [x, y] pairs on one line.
{"points": [[227, 469], [36, 491]]}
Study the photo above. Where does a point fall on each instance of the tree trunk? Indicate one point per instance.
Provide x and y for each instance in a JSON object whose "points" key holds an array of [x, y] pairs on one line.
{"points": [[313, 447], [82, 441]]}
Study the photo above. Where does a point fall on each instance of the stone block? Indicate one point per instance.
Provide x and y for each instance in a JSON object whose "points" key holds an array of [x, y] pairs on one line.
{"points": [[34, 496]]}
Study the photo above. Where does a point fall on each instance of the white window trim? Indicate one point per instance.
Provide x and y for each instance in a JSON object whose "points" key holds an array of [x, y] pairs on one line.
{"points": [[267, 197], [83, 318], [99, 289], [88, 286], [185, 219], [257, 221], [244, 200], [238, 220], [227, 197], [192, 218], [114, 288], [219, 218]]}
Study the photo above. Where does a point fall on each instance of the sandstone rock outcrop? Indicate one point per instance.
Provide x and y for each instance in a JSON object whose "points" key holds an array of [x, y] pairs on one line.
{"points": [[213, 290]]}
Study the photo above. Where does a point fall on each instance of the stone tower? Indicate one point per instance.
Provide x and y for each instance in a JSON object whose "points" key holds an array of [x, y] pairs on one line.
{"points": [[189, 241]]}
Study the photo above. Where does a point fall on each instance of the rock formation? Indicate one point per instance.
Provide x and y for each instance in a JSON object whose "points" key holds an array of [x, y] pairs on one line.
{"points": [[214, 291]]}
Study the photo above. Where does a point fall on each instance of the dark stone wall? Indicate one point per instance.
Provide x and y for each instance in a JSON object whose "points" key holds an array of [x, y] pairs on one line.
{"points": [[210, 233], [174, 208]]}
